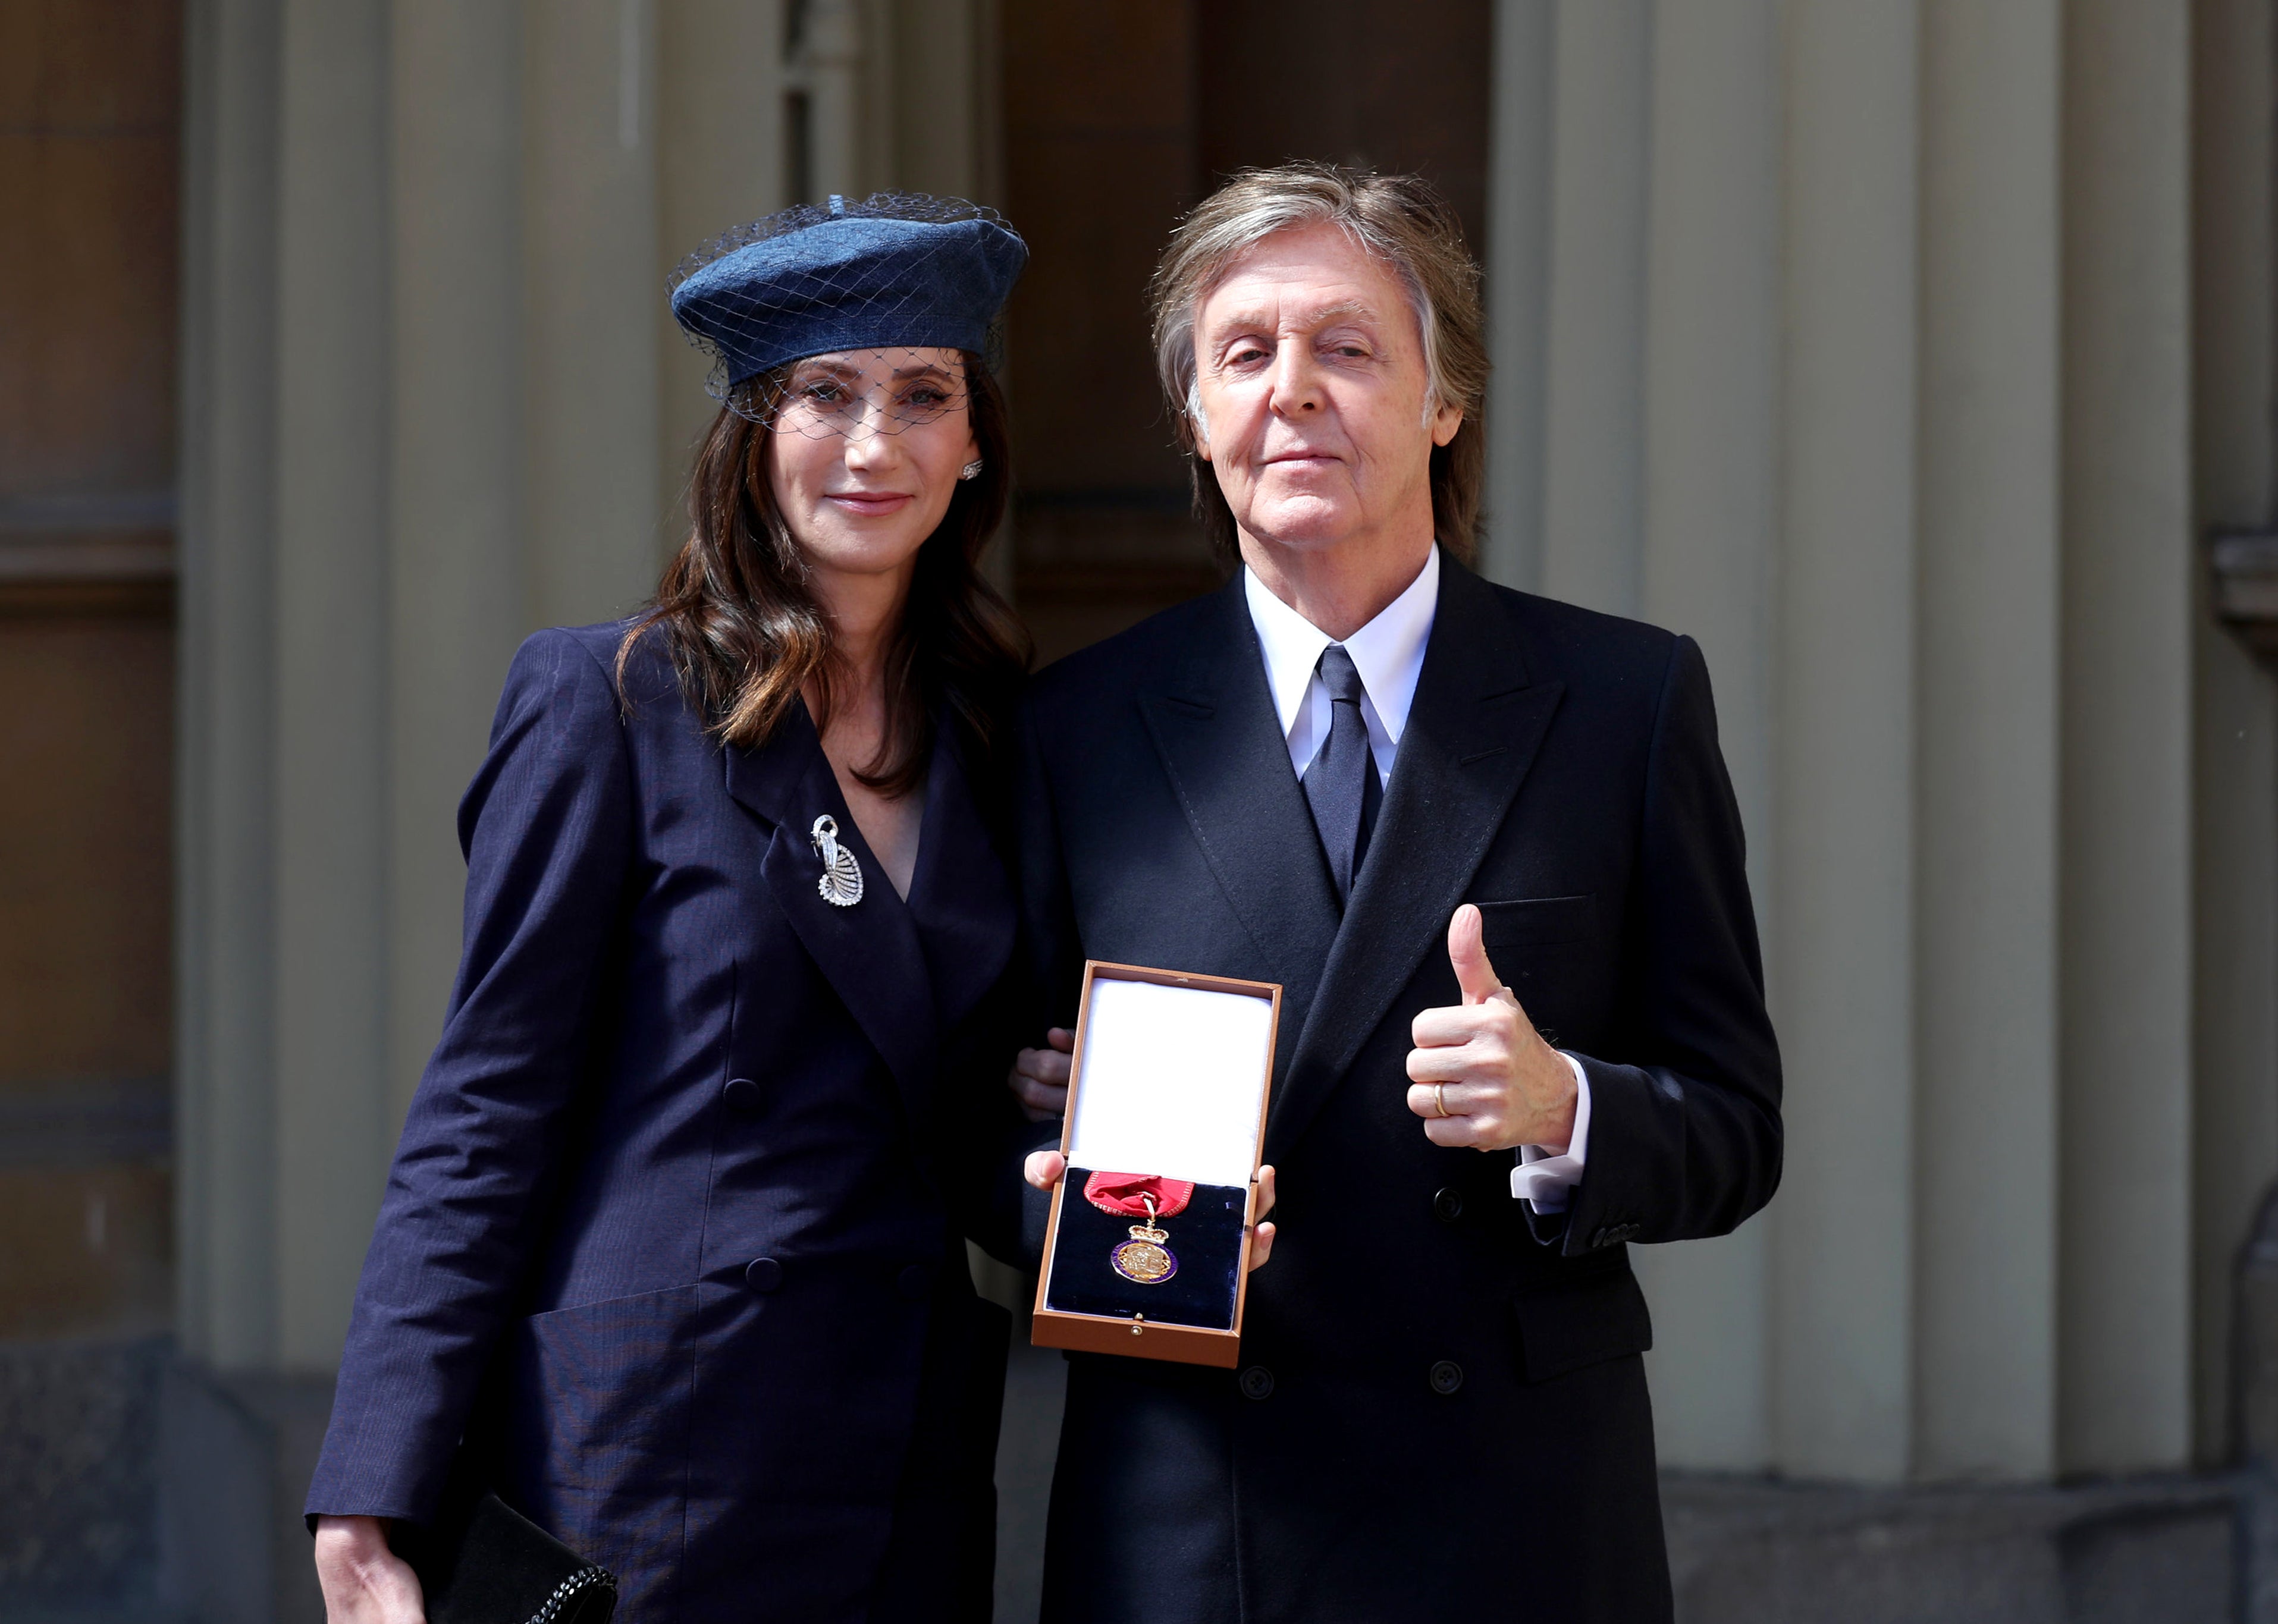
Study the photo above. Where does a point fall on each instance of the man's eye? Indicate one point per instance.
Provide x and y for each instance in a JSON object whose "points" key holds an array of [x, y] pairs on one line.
{"points": [[1247, 356]]}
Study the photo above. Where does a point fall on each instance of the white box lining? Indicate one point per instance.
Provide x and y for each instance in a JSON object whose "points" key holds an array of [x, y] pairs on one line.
{"points": [[1171, 1081]]}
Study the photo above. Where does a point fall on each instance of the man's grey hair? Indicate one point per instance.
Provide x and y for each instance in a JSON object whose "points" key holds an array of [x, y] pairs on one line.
{"points": [[1401, 221]]}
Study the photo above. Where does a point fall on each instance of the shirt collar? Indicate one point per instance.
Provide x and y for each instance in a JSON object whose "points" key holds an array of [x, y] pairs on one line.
{"points": [[1388, 652]]}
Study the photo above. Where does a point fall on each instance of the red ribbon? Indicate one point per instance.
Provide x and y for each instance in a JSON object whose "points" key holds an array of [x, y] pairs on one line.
{"points": [[1122, 1192]]}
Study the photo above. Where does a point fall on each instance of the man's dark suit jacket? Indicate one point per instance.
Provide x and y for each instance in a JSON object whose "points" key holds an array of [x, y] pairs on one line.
{"points": [[1441, 1411], [673, 1234]]}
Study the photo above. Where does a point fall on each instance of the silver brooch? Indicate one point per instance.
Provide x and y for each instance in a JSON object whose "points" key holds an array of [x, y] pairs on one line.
{"points": [[841, 884]]}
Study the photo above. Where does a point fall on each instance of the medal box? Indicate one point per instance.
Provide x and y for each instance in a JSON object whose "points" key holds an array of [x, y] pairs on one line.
{"points": [[1147, 1252]]}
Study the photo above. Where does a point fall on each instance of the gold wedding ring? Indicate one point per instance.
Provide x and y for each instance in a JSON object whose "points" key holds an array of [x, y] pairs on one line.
{"points": [[1440, 1098]]}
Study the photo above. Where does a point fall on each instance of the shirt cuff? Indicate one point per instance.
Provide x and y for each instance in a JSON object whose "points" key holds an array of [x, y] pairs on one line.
{"points": [[1546, 1175]]}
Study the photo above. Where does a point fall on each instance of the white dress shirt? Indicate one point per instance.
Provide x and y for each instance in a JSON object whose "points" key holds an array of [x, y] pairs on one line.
{"points": [[1389, 654]]}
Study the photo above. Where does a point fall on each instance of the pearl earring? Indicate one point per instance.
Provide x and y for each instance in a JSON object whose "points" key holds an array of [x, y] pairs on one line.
{"points": [[971, 470]]}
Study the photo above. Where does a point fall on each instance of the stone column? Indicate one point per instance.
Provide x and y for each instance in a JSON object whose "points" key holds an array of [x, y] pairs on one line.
{"points": [[1710, 466], [330, 581], [1987, 710], [1841, 868], [2129, 564], [1634, 265], [1594, 381], [2234, 736], [1899, 357], [455, 586], [283, 1029], [224, 816], [591, 283], [423, 284]]}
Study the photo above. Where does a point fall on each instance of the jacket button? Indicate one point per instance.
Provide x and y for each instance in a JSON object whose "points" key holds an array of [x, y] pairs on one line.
{"points": [[1448, 1205], [1446, 1377], [1257, 1383], [915, 1282], [743, 1094], [764, 1275]]}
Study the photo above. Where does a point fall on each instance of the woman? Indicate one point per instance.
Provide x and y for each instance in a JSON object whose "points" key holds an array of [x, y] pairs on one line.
{"points": [[672, 1253]]}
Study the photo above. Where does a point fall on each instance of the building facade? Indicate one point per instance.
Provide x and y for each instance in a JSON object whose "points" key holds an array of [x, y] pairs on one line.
{"points": [[1913, 355]]}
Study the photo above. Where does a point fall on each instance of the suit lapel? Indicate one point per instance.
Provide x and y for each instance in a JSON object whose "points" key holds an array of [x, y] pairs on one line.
{"points": [[959, 897], [1473, 733], [869, 952], [1213, 722]]}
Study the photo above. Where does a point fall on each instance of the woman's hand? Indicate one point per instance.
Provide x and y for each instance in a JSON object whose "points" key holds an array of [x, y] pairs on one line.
{"points": [[364, 1582], [1039, 1078], [1046, 1168]]}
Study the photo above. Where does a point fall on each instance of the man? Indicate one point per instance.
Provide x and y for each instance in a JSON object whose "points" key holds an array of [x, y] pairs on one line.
{"points": [[1486, 844]]}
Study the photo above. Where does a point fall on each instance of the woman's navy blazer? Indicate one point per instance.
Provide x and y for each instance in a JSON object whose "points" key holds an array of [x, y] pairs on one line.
{"points": [[674, 1238]]}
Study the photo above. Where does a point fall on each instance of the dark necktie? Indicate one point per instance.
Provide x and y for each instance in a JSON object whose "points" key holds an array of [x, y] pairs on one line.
{"points": [[1341, 785]]}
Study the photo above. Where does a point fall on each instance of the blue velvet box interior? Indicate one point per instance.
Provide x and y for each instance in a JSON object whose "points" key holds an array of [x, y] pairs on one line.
{"points": [[1206, 1239]]}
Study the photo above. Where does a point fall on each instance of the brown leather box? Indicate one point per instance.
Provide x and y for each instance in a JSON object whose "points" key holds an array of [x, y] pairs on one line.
{"points": [[1170, 1078]]}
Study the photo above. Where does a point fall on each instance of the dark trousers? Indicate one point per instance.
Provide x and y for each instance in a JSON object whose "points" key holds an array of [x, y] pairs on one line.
{"points": [[1141, 1529], [1349, 1524]]}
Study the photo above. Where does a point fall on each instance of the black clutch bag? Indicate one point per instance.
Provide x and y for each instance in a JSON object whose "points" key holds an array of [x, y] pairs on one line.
{"points": [[485, 1563]]}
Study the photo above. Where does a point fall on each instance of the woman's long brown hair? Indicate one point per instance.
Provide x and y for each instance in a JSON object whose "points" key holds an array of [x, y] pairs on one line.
{"points": [[746, 635]]}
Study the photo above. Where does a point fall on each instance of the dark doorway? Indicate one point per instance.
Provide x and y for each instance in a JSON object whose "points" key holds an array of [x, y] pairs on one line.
{"points": [[1119, 116]]}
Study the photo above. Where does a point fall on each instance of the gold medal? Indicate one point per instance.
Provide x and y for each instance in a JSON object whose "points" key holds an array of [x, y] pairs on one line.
{"points": [[1146, 1259]]}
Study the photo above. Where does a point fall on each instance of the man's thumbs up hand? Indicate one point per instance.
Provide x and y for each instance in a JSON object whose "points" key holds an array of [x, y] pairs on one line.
{"points": [[1467, 950], [1480, 1074]]}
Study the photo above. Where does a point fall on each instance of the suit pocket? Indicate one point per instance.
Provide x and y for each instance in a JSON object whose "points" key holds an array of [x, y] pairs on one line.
{"points": [[603, 1392], [1538, 921], [1565, 1326], [599, 1430]]}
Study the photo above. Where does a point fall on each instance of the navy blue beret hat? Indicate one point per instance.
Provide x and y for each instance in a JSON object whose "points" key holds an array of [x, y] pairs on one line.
{"points": [[895, 270]]}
